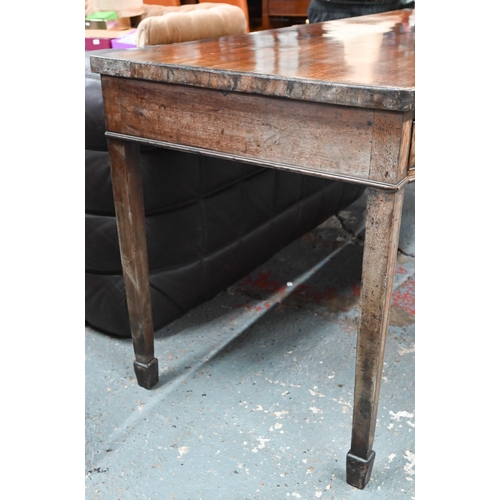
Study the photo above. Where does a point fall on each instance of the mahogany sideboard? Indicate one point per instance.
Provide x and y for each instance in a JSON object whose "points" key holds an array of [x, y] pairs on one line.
{"points": [[334, 99]]}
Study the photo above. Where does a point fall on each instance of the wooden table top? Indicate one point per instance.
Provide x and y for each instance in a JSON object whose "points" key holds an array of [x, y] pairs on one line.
{"points": [[364, 61]]}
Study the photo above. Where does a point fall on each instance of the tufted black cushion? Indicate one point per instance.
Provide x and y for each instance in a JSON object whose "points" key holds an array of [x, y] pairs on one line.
{"points": [[209, 222]]}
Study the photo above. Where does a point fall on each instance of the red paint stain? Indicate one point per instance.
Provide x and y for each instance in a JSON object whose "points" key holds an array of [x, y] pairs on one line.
{"points": [[248, 307], [356, 289], [262, 281], [401, 270], [404, 296], [306, 292]]}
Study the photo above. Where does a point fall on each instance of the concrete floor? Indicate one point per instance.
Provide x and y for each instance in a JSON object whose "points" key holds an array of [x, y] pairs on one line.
{"points": [[256, 386]]}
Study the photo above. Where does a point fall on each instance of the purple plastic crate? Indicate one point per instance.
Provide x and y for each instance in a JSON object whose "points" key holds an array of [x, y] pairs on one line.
{"points": [[128, 41]]}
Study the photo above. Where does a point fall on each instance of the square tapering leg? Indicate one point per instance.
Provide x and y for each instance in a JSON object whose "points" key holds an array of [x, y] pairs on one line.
{"points": [[383, 219], [130, 218]]}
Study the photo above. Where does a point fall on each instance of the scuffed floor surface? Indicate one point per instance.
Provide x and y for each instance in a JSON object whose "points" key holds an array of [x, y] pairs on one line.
{"points": [[256, 386]]}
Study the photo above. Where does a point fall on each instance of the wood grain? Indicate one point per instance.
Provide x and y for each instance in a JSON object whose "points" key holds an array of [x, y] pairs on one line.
{"points": [[111, 101], [319, 137], [391, 146], [411, 161], [328, 99], [383, 219], [129, 206], [317, 62]]}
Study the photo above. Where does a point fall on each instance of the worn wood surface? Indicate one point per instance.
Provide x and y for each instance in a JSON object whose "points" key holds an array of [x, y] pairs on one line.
{"points": [[411, 161], [111, 101], [366, 62], [390, 146], [383, 218], [327, 99], [319, 137], [129, 206]]}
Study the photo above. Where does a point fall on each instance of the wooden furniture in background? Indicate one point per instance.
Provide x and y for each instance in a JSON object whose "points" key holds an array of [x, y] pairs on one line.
{"points": [[333, 99], [282, 8], [242, 4]]}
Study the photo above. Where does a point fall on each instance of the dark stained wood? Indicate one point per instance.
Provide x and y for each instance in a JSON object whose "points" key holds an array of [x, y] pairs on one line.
{"points": [[383, 218], [129, 206], [318, 62], [111, 99], [332, 99], [359, 469]]}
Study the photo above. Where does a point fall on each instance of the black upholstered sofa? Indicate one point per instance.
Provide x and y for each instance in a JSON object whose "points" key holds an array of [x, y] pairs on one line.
{"points": [[209, 222]]}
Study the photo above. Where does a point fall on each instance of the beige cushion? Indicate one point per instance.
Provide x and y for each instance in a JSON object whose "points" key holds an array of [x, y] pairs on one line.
{"points": [[189, 22]]}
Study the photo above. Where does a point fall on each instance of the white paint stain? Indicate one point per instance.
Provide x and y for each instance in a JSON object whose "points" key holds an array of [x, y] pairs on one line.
{"points": [[315, 410], [262, 444], [281, 414], [281, 383], [397, 416], [410, 466], [318, 494], [277, 425], [401, 414], [315, 393], [182, 451], [391, 457], [404, 351], [345, 403]]}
